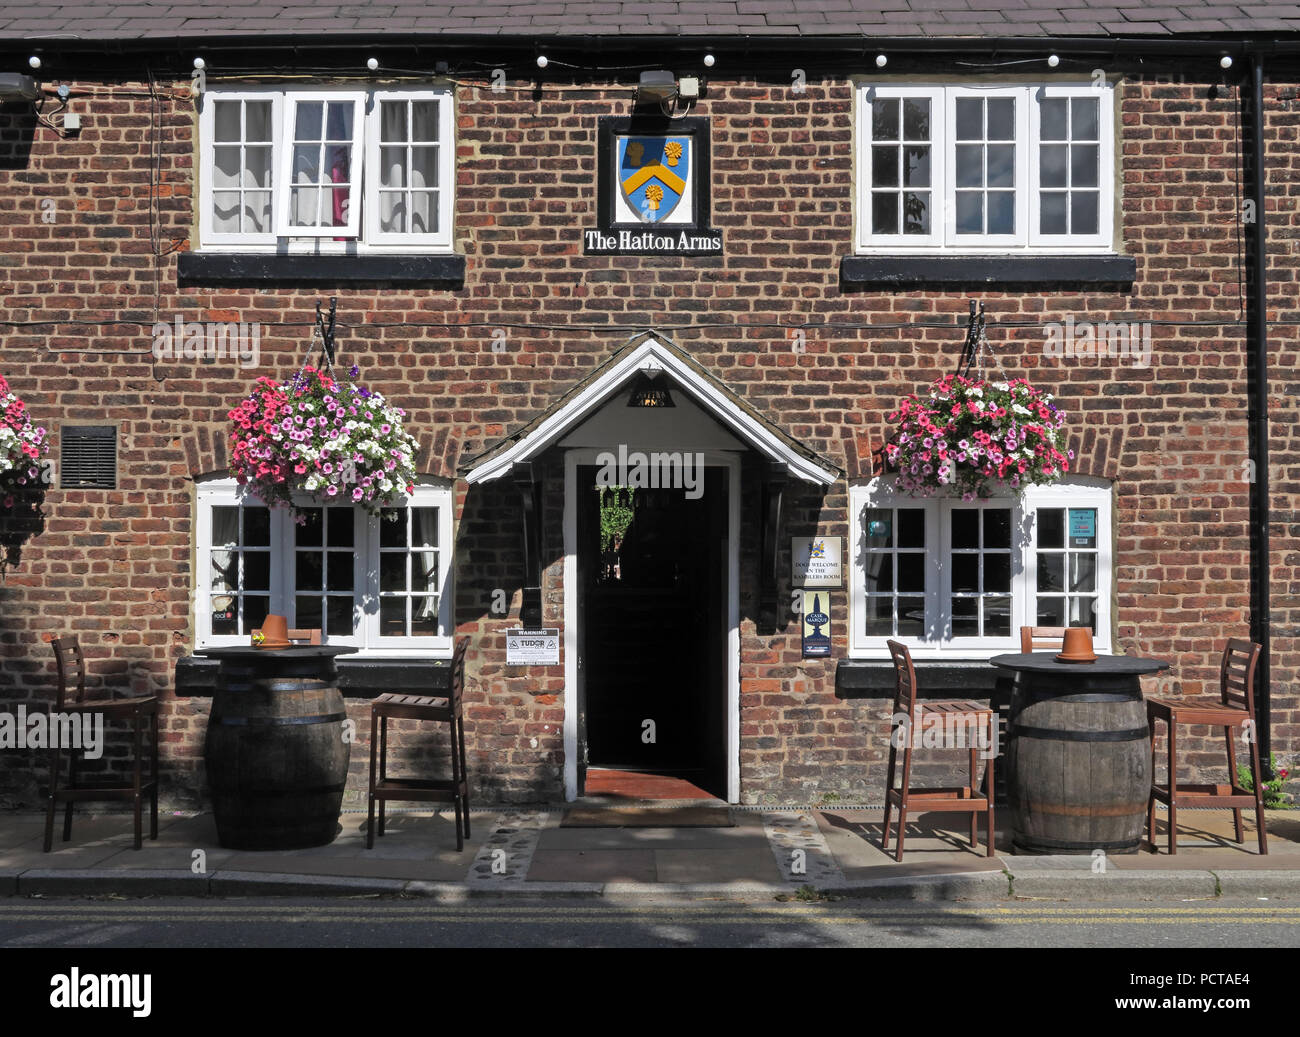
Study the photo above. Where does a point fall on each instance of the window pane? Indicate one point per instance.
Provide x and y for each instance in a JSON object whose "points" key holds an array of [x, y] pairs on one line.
{"points": [[424, 532], [911, 617], [1084, 212], [916, 118], [911, 572], [307, 612], [965, 527], [1001, 118], [970, 118], [884, 213], [1083, 165], [341, 526], [424, 617], [338, 616], [965, 573], [1051, 527], [424, 120], [880, 617], [392, 617], [392, 122], [1051, 572], [1051, 612], [997, 617], [392, 571], [257, 167], [225, 121], [309, 533], [257, 212], [970, 212], [997, 527], [1052, 160], [997, 572], [1002, 212], [880, 573], [225, 167], [1083, 572], [1085, 121], [880, 527], [916, 212], [392, 527], [225, 212], [1053, 115], [307, 122], [392, 167], [1002, 165], [424, 571], [225, 571], [225, 527], [970, 165], [424, 212], [1083, 613], [965, 617], [339, 125], [257, 570], [911, 527], [884, 119], [256, 609], [339, 571], [1052, 212], [309, 571], [884, 167], [225, 618], [257, 121], [916, 167], [257, 527]]}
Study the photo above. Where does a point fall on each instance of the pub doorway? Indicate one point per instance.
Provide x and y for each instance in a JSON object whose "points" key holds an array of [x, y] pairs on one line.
{"points": [[653, 618]]}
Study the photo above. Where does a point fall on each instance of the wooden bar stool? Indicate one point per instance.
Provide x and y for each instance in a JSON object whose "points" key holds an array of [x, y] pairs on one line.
{"points": [[962, 799], [1234, 711], [71, 699], [1044, 639], [445, 710]]}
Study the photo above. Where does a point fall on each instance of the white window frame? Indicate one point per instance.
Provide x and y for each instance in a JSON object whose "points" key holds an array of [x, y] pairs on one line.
{"points": [[943, 238], [208, 235], [284, 190], [446, 170], [1077, 492], [363, 239], [227, 492]]}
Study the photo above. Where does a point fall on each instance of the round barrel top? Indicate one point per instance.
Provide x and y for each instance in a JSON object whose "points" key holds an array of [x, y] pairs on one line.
{"points": [[293, 652], [1106, 665]]}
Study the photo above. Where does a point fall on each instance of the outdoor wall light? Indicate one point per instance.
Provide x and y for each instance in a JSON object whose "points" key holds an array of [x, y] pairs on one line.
{"points": [[881, 61], [34, 61], [1054, 60], [709, 60], [1225, 62], [541, 61], [14, 86], [372, 64], [656, 88], [200, 64]]}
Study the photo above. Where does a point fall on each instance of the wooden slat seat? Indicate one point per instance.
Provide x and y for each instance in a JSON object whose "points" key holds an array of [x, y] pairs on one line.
{"points": [[142, 713], [959, 799], [1234, 712], [446, 709]]}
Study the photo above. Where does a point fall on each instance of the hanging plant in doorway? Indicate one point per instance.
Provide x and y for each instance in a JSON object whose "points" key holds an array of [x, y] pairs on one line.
{"points": [[976, 437], [317, 437]]}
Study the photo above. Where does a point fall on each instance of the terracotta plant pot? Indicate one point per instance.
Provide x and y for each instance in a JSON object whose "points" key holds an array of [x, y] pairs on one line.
{"points": [[275, 632], [1077, 646]]}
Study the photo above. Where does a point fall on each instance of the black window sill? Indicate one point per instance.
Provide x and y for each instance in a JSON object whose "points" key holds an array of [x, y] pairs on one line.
{"points": [[874, 679], [436, 270], [196, 677], [863, 272]]}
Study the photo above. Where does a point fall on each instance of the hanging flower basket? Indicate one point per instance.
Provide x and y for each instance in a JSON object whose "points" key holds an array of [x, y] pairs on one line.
{"points": [[23, 446], [317, 437], [975, 437]]}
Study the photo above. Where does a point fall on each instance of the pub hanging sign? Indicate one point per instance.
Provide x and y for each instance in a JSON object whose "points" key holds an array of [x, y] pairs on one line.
{"points": [[653, 193]]}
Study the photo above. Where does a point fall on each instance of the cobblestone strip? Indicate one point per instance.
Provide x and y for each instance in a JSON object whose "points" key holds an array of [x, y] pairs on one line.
{"points": [[795, 830], [506, 854]]}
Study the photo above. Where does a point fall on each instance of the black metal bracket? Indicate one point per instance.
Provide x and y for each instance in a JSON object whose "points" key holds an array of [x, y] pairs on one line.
{"points": [[326, 329], [970, 350], [774, 486], [530, 492]]}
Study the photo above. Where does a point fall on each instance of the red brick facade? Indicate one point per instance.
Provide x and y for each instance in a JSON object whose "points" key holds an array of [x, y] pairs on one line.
{"points": [[88, 275]]}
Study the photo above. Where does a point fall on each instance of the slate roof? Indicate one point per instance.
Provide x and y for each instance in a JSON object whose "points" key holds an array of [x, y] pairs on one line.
{"points": [[189, 19]]}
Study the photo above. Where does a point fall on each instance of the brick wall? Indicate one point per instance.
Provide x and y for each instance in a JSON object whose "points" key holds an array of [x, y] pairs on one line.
{"points": [[116, 568]]}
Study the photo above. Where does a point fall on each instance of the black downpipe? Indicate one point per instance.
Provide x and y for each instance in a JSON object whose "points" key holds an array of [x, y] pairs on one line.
{"points": [[1258, 416]]}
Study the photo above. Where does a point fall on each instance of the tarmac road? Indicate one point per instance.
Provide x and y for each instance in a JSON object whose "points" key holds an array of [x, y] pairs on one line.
{"points": [[368, 922]]}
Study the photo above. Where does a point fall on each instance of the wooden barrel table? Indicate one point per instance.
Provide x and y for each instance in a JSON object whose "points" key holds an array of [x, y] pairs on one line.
{"points": [[276, 755], [1078, 756]]}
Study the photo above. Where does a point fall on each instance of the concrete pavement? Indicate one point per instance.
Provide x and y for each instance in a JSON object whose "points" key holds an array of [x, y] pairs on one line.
{"points": [[758, 853]]}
